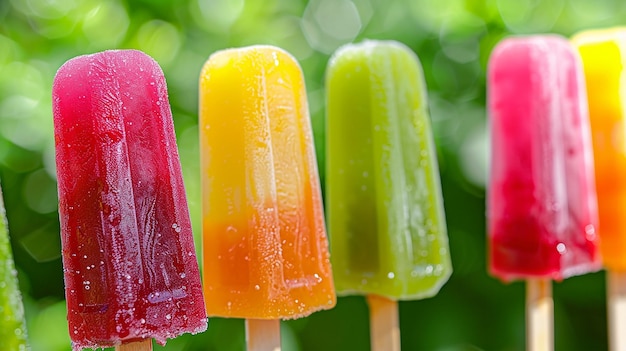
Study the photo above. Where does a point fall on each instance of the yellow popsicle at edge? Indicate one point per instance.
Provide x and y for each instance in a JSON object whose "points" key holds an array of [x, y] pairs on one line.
{"points": [[265, 248], [604, 57]]}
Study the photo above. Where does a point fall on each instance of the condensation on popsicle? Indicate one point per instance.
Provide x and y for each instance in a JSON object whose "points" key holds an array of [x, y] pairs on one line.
{"points": [[603, 54], [265, 252], [129, 262], [386, 218], [12, 323], [542, 210]]}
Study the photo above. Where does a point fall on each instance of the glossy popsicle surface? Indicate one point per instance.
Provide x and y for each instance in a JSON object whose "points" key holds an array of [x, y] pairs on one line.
{"points": [[12, 323], [265, 252], [386, 219], [604, 60], [542, 210], [128, 255]]}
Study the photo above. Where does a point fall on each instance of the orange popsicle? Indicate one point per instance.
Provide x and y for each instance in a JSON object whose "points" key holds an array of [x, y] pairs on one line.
{"points": [[265, 248], [603, 53]]}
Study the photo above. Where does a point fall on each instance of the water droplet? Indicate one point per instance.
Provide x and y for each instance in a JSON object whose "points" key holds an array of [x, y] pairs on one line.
{"points": [[560, 247], [168, 316], [183, 275], [391, 275], [257, 287]]}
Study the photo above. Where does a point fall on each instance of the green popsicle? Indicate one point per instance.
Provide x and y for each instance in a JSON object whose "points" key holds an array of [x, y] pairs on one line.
{"points": [[385, 210], [12, 324]]}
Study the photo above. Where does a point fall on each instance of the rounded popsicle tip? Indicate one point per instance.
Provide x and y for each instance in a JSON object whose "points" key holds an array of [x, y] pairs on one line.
{"points": [[268, 56], [370, 49], [140, 58], [517, 51], [529, 43], [79, 70], [591, 36]]}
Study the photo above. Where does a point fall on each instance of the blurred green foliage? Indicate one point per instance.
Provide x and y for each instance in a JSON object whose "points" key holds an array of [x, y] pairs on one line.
{"points": [[453, 39]]}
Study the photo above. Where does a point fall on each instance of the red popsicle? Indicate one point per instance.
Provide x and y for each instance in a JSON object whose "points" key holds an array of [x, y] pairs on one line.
{"points": [[128, 254], [542, 208]]}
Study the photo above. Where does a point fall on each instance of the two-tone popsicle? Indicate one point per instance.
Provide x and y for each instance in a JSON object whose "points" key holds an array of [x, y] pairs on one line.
{"points": [[265, 254]]}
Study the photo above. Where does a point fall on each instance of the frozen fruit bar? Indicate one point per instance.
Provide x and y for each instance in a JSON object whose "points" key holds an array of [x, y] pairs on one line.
{"points": [[128, 254]]}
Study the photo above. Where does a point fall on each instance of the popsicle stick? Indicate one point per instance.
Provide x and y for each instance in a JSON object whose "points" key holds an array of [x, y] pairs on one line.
{"points": [[143, 345], [384, 325], [539, 315], [263, 335], [616, 310]]}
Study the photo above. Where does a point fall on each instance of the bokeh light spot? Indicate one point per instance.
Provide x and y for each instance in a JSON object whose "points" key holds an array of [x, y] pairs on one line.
{"points": [[160, 40], [219, 14], [473, 155], [40, 192], [105, 25], [50, 9], [460, 39], [328, 24], [530, 16]]}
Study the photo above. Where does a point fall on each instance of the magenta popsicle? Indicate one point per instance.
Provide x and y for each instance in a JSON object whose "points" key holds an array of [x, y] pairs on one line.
{"points": [[542, 210], [129, 261]]}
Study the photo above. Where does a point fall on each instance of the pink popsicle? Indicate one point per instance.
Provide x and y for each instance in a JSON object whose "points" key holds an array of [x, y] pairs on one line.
{"points": [[129, 261], [542, 210]]}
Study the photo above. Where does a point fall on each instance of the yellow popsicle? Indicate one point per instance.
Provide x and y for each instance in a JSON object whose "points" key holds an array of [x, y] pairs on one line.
{"points": [[265, 248]]}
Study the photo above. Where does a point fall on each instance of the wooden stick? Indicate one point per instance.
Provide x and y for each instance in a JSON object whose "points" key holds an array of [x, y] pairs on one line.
{"points": [[263, 335], [539, 315], [384, 325], [616, 310], [143, 345]]}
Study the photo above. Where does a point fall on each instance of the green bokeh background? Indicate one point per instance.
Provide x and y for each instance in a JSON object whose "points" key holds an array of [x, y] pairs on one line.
{"points": [[453, 39]]}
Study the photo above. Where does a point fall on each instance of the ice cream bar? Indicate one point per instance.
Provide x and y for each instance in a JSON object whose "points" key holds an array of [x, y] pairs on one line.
{"points": [[128, 255], [385, 210], [604, 60], [265, 252], [12, 324], [542, 210]]}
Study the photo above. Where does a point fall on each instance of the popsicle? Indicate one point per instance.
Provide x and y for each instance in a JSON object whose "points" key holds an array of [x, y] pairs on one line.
{"points": [[541, 203], [603, 54], [385, 210], [265, 252], [12, 324], [130, 266]]}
